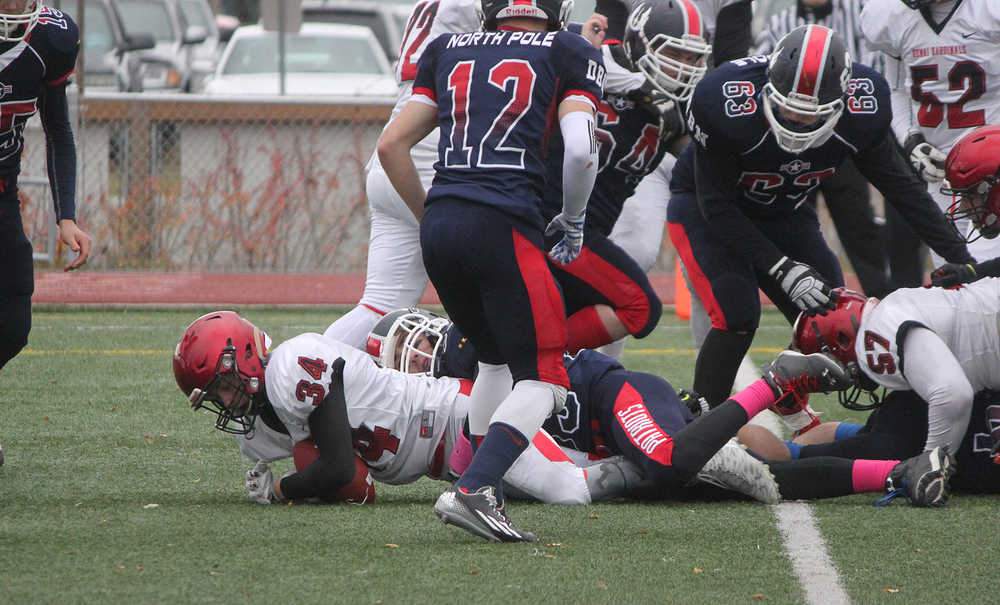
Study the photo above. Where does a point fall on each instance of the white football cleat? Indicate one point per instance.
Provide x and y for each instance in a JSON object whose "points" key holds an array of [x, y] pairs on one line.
{"points": [[734, 469]]}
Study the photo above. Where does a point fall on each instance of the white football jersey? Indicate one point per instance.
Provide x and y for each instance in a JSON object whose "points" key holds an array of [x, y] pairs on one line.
{"points": [[964, 318], [952, 72], [428, 20], [404, 426]]}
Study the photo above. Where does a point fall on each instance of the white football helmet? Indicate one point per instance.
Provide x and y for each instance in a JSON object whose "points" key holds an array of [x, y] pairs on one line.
{"points": [[408, 340], [15, 25]]}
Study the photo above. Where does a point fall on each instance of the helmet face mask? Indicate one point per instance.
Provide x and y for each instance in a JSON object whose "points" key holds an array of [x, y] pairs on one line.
{"points": [[555, 12], [409, 340], [665, 41], [807, 79], [972, 175], [835, 334], [219, 364], [15, 25]]}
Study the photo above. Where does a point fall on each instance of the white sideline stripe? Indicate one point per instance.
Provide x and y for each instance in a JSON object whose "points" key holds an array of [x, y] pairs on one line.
{"points": [[807, 551]]}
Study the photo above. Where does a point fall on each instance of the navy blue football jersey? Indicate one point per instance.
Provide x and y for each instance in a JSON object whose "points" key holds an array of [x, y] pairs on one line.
{"points": [[574, 426], [629, 148], [46, 58], [497, 95], [727, 117]]}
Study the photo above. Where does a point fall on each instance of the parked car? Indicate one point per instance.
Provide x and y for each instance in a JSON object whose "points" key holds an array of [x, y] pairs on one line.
{"points": [[112, 60], [383, 18], [321, 59], [163, 19], [203, 56]]}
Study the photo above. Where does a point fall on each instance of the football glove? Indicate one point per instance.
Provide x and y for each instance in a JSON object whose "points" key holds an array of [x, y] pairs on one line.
{"points": [[568, 248], [260, 484], [804, 286], [927, 159], [950, 275]]}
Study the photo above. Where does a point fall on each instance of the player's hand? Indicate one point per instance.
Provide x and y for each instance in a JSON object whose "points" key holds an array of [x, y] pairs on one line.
{"points": [[950, 275], [927, 159], [570, 245], [260, 484], [804, 286], [77, 240], [595, 29]]}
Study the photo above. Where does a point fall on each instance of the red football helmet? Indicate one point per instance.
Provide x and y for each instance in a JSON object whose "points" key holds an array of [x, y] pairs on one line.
{"points": [[834, 334], [972, 171], [220, 361]]}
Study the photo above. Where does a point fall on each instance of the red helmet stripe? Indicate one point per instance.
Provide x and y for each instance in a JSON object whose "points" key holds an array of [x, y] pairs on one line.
{"points": [[815, 48], [524, 2], [692, 20]]}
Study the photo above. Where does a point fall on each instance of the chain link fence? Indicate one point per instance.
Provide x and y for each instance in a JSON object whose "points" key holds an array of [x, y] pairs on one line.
{"points": [[193, 183]]}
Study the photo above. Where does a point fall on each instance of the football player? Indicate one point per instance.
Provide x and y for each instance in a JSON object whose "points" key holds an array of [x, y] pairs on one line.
{"points": [[607, 294], [395, 271], [943, 68], [494, 94], [312, 393], [666, 442], [972, 171], [947, 397], [39, 45], [767, 131]]}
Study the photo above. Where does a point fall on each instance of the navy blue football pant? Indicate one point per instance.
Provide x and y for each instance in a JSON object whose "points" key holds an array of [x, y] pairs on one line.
{"points": [[17, 280], [604, 274], [897, 430], [492, 276], [727, 285], [640, 417]]}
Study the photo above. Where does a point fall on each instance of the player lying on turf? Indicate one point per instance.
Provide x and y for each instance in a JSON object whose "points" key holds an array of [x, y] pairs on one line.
{"points": [[268, 401], [945, 395]]}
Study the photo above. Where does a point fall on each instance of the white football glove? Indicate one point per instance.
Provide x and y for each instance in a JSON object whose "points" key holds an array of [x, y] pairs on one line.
{"points": [[927, 159], [804, 286], [570, 245], [260, 484]]}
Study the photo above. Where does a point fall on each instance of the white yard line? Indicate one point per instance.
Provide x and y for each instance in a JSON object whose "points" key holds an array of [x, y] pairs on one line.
{"points": [[807, 552]]}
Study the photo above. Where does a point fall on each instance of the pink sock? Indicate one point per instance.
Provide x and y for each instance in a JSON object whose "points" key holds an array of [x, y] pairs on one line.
{"points": [[869, 475], [756, 397], [461, 455]]}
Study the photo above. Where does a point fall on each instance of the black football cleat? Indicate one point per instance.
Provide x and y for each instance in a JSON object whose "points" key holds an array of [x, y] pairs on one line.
{"points": [[477, 513], [923, 479], [793, 373]]}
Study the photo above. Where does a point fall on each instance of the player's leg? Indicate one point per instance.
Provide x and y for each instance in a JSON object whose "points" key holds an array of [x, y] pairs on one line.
{"points": [[17, 283], [395, 274], [847, 198], [639, 228], [726, 286], [607, 295]]}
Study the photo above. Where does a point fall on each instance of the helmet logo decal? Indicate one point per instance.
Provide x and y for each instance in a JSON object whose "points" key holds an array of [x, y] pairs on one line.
{"points": [[637, 20], [812, 61]]}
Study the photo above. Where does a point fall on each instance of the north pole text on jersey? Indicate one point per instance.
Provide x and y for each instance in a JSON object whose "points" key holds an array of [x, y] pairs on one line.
{"points": [[499, 38]]}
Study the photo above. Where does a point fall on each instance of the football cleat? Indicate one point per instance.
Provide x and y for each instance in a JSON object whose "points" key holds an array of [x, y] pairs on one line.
{"points": [[923, 479], [477, 513], [734, 469], [792, 373]]}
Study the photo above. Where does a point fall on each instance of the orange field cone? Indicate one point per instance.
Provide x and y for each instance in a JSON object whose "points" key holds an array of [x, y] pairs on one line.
{"points": [[682, 297]]}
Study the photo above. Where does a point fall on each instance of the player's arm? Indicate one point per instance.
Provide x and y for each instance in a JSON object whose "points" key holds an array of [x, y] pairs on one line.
{"points": [[936, 375], [716, 174], [733, 34], [414, 122], [579, 171], [331, 432], [61, 165], [885, 168]]}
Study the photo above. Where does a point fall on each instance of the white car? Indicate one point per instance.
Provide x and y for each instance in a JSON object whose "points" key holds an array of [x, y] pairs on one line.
{"points": [[329, 59]]}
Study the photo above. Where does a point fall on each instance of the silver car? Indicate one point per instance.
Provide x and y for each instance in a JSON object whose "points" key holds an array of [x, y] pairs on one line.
{"points": [[329, 59], [162, 19]]}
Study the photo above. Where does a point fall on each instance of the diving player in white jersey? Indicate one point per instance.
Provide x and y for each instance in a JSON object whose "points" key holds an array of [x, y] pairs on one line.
{"points": [[943, 344], [943, 66], [395, 275], [403, 426]]}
